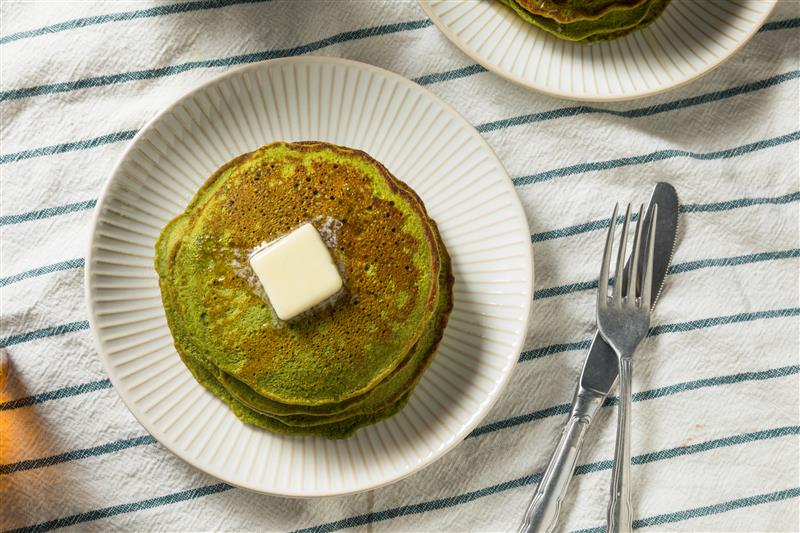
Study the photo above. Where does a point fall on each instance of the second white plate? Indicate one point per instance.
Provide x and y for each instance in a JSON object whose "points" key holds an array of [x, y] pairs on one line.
{"points": [[423, 142], [690, 38]]}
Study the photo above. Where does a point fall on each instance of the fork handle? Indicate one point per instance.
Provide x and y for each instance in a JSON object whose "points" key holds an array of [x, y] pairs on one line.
{"points": [[620, 511], [542, 513]]}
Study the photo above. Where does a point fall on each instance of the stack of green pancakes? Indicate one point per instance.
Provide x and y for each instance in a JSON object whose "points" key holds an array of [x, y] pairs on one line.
{"points": [[588, 20], [349, 363]]}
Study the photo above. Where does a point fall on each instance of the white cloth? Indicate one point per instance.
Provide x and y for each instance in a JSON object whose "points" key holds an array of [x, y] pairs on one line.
{"points": [[715, 439]]}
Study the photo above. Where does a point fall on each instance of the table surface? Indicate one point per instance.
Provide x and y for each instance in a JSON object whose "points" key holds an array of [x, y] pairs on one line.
{"points": [[716, 407]]}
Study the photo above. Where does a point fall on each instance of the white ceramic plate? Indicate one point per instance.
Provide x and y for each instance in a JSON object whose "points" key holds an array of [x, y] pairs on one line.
{"points": [[422, 141], [690, 38]]}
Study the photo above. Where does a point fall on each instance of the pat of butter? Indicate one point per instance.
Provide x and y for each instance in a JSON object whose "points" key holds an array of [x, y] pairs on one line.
{"points": [[297, 272]]}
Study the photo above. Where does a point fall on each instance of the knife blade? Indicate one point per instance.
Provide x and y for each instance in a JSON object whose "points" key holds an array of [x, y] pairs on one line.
{"points": [[599, 374]]}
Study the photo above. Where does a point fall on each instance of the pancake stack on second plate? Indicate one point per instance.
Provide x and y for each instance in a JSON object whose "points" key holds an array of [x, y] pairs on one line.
{"points": [[336, 368], [588, 20]]}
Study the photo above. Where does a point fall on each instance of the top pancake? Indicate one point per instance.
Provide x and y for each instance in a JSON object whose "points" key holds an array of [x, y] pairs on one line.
{"points": [[613, 24], [386, 250], [575, 10]]}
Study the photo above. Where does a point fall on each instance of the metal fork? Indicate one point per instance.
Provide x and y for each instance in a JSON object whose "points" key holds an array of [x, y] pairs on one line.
{"points": [[623, 320]]}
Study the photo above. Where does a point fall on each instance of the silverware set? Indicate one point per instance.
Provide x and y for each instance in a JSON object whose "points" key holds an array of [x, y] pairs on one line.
{"points": [[623, 320]]}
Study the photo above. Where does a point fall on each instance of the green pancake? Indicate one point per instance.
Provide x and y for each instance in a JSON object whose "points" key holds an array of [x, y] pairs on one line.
{"points": [[209, 378], [338, 368], [394, 387], [566, 11], [338, 430], [402, 379], [612, 25]]}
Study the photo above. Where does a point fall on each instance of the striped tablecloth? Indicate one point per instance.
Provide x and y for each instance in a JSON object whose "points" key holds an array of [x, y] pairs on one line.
{"points": [[716, 402]]}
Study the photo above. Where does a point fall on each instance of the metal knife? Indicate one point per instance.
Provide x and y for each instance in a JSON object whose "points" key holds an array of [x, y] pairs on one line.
{"points": [[598, 377]]}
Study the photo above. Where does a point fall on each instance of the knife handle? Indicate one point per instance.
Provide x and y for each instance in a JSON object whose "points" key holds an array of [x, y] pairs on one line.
{"points": [[542, 513]]}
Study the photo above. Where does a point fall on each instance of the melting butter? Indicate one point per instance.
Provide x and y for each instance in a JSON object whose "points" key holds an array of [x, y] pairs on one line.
{"points": [[296, 271]]}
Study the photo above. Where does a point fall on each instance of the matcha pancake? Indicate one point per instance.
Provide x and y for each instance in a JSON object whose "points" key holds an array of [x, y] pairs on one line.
{"points": [[566, 11], [612, 25], [342, 429], [336, 430], [394, 387], [247, 395], [378, 234]]}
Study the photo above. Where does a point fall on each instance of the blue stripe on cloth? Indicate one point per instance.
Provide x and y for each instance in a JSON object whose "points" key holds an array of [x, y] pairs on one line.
{"points": [[659, 155], [158, 11], [640, 396], [681, 327], [44, 332], [85, 144], [727, 205], [707, 510], [744, 202], [639, 111], [55, 267], [553, 349], [74, 455], [423, 507], [430, 505], [106, 512], [450, 75], [171, 70], [780, 25], [64, 392], [564, 289], [710, 382], [388, 514], [704, 446], [47, 212], [505, 423], [732, 261], [677, 327], [692, 449], [678, 268]]}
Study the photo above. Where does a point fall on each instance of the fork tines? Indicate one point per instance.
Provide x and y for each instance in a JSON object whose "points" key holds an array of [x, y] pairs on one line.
{"points": [[640, 289]]}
